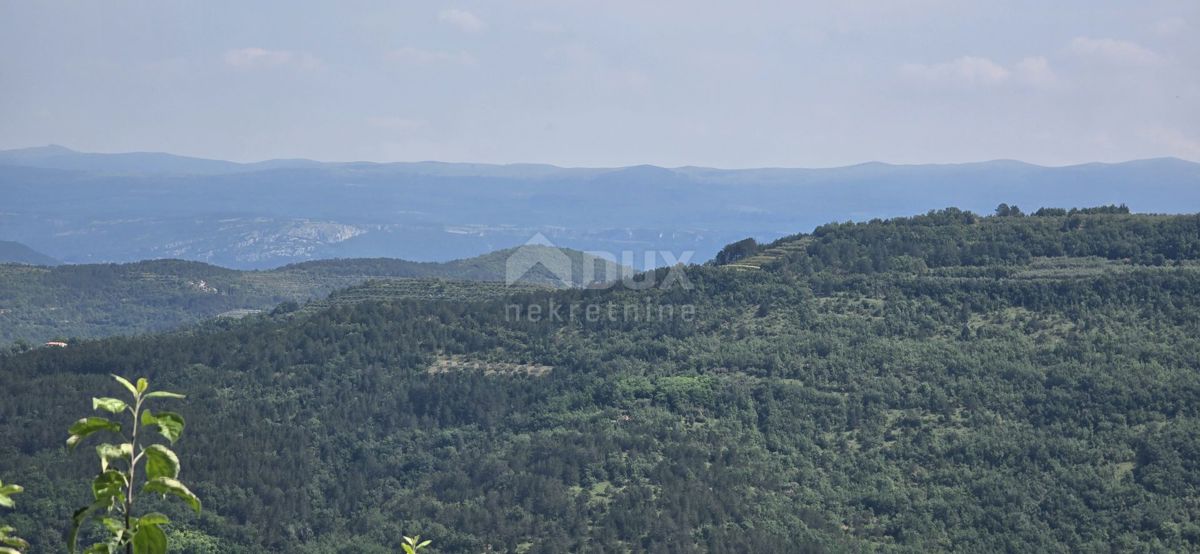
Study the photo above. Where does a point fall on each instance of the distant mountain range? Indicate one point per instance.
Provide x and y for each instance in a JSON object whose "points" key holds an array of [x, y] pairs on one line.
{"points": [[61, 157], [82, 207]]}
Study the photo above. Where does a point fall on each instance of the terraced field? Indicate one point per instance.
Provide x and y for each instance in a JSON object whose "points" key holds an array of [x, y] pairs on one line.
{"points": [[770, 254]]}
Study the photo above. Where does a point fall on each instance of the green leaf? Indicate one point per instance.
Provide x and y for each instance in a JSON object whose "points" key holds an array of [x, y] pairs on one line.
{"points": [[81, 515], [125, 383], [142, 385], [170, 424], [149, 539], [412, 545], [165, 394], [111, 452], [9, 542], [114, 525], [167, 486], [88, 425], [8, 490], [111, 405], [7, 550], [99, 548], [109, 485], [161, 462], [15, 542], [153, 518]]}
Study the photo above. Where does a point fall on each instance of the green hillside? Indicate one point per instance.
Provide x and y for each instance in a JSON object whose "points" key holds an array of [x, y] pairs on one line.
{"points": [[941, 383], [90, 301]]}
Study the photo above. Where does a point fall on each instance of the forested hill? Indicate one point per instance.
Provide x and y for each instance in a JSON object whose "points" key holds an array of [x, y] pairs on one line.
{"points": [[97, 300], [942, 383], [17, 253], [952, 237]]}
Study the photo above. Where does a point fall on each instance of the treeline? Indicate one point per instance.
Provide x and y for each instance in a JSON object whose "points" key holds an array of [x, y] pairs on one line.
{"points": [[953, 237]]}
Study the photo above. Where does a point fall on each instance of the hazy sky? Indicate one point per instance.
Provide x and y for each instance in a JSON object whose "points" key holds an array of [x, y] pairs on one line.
{"points": [[608, 82]]}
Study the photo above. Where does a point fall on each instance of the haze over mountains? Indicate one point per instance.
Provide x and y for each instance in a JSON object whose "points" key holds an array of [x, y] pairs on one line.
{"points": [[80, 207], [17, 253]]}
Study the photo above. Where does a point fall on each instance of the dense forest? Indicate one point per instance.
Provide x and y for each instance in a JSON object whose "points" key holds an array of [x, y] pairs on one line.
{"points": [[945, 382], [97, 300]]}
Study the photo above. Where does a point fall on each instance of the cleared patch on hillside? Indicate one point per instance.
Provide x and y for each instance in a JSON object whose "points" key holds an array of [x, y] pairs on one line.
{"points": [[1040, 326], [849, 304], [448, 364]]}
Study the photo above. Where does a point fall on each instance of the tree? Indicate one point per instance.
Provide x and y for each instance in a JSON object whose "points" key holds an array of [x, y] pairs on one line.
{"points": [[733, 252], [114, 489], [9, 543], [1004, 210]]}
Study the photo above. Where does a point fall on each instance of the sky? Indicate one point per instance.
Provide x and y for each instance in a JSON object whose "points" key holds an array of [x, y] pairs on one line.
{"points": [[608, 83]]}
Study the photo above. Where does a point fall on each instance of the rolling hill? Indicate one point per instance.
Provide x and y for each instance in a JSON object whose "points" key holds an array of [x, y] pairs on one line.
{"points": [[87, 301], [17, 253]]}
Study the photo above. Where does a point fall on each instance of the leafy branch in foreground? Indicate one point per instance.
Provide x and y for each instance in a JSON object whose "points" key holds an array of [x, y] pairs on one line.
{"points": [[412, 545], [9, 543], [114, 488]]}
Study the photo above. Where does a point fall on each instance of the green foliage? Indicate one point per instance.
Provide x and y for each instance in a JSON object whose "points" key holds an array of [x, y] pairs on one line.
{"points": [[167, 485], [6, 492], [161, 462], [412, 545], [87, 301], [953, 238], [114, 491], [736, 251], [110, 405], [168, 424], [944, 383], [191, 541], [9, 542], [109, 453], [149, 538], [1004, 210], [87, 426]]}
